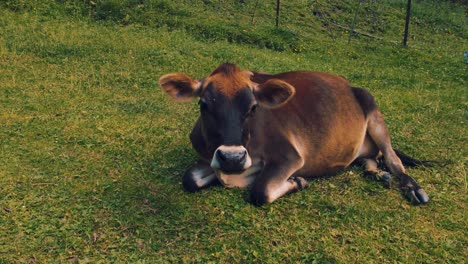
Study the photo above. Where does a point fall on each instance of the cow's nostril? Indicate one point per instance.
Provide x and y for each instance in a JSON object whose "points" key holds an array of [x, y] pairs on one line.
{"points": [[243, 155], [222, 156]]}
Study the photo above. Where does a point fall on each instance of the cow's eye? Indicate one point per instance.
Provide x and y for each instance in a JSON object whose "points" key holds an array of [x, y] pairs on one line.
{"points": [[252, 110], [203, 105]]}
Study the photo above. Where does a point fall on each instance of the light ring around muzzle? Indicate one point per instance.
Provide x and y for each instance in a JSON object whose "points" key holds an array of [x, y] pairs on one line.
{"points": [[231, 158]]}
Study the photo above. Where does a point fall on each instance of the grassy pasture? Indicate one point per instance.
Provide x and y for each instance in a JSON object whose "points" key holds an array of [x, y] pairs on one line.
{"points": [[92, 151]]}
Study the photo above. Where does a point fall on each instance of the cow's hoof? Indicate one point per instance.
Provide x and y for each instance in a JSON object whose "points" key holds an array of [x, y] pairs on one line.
{"points": [[258, 198], [386, 179], [412, 191], [381, 176], [301, 183], [416, 197], [189, 183]]}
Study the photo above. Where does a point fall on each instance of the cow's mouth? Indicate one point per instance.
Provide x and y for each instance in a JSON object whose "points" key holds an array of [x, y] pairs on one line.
{"points": [[232, 171], [240, 178]]}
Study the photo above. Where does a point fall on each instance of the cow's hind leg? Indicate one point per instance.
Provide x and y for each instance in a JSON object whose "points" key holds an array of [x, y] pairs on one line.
{"points": [[199, 176], [379, 133], [277, 180]]}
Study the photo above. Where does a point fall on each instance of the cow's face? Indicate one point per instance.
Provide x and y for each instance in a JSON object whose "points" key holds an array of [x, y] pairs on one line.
{"points": [[228, 100], [225, 120]]}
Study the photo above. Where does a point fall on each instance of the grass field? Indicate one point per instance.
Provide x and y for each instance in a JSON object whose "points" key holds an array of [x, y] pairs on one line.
{"points": [[92, 151]]}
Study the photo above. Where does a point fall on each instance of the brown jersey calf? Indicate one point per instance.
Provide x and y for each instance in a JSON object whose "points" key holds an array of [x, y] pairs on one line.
{"points": [[270, 132]]}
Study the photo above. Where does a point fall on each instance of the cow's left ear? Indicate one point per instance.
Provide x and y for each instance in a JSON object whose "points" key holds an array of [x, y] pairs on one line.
{"points": [[179, 86], [274, 93]]}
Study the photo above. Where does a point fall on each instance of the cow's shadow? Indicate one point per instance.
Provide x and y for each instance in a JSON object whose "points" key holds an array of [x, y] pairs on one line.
{"points": [[148, 195]]}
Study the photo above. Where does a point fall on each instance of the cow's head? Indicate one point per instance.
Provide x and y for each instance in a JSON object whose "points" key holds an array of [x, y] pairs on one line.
{"points": [[228, 100]]}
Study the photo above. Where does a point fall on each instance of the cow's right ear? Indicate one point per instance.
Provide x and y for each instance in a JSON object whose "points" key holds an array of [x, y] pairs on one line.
{"points": [[180, 86], [274, 93]]}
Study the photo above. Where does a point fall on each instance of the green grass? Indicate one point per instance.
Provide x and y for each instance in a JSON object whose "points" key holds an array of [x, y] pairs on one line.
{"points": [[93, 151]]}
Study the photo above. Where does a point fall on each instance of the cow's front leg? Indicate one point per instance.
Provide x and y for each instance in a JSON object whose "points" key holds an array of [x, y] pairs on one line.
{"points": [[276, 180], [199, 176]]}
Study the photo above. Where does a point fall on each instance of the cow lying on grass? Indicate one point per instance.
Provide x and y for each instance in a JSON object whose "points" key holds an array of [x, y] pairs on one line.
{"points": [[270, 132]]}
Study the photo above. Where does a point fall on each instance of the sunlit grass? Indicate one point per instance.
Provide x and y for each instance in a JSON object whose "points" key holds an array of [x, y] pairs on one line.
{"points": [[92, 152]]}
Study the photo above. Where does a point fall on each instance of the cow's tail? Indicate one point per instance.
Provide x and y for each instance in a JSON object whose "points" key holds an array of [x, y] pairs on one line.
{"points": [[413, 162]]}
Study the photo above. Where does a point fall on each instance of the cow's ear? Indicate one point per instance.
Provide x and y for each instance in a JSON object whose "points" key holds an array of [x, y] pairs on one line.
{"points": [[180, 86], [274, 93]]}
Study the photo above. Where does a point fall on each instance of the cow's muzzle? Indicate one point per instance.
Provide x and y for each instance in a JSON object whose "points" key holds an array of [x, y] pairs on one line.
{"points": [[231, 159]]}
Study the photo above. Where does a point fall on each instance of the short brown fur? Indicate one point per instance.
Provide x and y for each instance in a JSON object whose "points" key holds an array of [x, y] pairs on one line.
{"points": [[229, 79], [308, 124]]}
